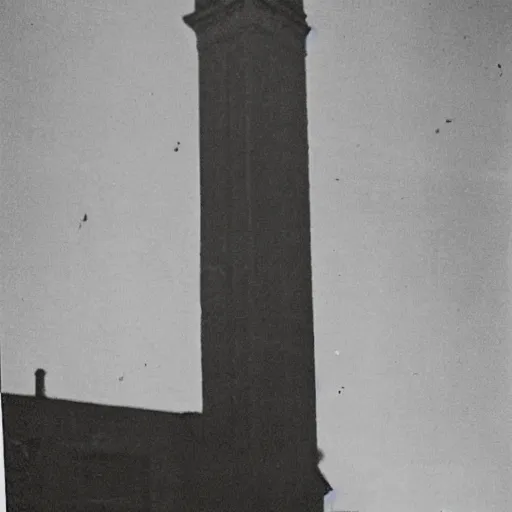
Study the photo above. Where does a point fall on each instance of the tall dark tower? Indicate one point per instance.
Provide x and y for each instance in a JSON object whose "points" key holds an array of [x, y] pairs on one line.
{"points": [[256, 293]]}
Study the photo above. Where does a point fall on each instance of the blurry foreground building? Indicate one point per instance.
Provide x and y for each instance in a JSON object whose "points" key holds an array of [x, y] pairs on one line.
{"points": [[254, 446]]}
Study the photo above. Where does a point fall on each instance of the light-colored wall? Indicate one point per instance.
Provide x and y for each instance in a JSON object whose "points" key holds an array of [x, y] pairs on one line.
{"points": [[98, 95], [410, 246]]}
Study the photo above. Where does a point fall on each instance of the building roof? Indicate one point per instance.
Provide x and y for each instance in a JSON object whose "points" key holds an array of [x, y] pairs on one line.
{"points": [[28, 419]]}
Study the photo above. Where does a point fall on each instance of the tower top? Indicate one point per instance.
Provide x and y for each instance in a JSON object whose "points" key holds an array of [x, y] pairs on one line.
{"points": [[215, 20], [205, 4]]}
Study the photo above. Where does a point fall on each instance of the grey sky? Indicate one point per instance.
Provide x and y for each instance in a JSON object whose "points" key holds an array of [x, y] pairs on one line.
{"points": [[411, 229]]}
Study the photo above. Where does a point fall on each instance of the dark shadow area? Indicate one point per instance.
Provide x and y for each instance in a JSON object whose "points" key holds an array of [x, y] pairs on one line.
{"points": [[62, 455]]}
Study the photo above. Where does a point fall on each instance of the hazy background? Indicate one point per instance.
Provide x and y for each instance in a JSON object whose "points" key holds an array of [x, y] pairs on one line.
{"points": [[411, 229]]}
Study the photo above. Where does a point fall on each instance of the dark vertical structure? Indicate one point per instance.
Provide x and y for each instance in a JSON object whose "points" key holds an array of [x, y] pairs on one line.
{"points": [[40, 385], [256, 294]]}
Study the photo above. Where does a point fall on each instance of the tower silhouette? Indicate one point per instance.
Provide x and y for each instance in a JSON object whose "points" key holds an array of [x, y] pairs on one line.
{"points": [[256, 294]]}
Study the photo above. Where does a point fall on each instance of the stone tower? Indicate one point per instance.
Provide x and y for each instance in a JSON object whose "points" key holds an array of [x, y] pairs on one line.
{"points": [[256, 292]]}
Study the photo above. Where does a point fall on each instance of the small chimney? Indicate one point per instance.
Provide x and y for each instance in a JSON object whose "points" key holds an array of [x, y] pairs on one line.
{"points": [[40, 390]]}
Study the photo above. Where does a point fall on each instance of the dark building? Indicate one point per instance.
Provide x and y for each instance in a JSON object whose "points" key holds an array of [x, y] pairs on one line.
{"points": [[63, 456], [254, 446]]}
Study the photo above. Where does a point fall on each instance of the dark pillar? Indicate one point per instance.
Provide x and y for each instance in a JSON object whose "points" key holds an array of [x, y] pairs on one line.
{"points": [[40, 387], [256, 295]]}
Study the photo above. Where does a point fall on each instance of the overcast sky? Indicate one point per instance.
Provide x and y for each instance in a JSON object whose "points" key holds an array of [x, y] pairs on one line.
{"points": [[410, 129]]}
